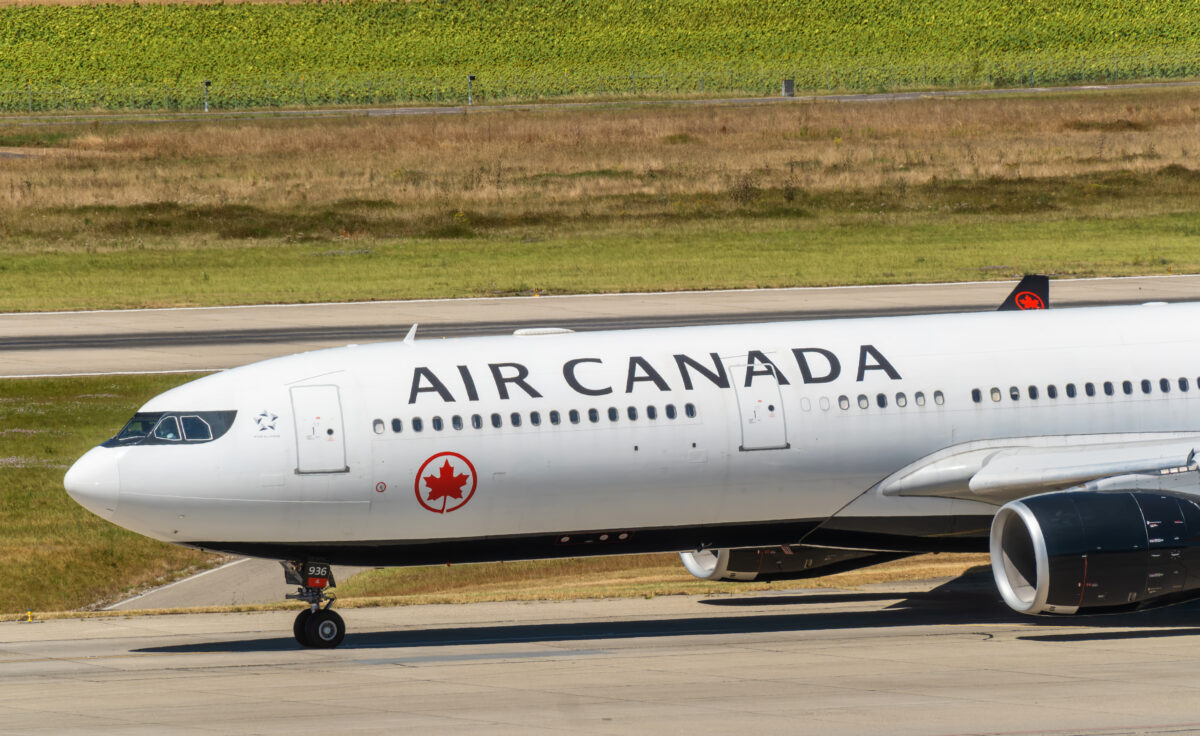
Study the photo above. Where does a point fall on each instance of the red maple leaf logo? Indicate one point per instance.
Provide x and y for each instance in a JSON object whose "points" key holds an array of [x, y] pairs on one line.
{"points": [[1029, 300], [446, 484]]}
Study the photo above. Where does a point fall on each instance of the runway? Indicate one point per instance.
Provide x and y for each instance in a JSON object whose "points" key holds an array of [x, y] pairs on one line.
{"points": [[68, 343], [896, 659]]}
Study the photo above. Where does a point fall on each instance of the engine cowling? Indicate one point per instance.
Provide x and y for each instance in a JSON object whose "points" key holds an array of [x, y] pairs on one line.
{"points": [[777, 563], [1079, 552]]}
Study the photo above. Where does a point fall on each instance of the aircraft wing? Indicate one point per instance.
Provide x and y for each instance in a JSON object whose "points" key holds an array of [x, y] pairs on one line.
{"points": [[998, 471]]}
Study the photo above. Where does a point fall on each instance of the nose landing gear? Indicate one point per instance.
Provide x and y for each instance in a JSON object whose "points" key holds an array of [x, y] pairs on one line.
{"points": [[316, 627]]}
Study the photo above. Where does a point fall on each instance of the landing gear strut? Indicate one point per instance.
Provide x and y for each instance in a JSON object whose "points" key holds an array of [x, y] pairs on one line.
{"points": [[317, 627]]}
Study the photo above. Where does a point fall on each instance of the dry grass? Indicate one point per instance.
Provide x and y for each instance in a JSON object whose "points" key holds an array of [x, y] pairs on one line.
{"points": [[521, 166]]}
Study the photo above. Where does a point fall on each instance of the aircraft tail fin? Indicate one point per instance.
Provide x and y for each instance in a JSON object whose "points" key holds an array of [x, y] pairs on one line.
{"points": [[1032, 293]]}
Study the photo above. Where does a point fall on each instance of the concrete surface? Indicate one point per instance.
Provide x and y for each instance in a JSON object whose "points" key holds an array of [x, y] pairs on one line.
{"points": [[60, 343], [888, 659]]}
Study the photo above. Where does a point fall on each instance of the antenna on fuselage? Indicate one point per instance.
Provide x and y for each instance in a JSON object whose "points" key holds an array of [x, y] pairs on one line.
{"points": [[411, 337]]}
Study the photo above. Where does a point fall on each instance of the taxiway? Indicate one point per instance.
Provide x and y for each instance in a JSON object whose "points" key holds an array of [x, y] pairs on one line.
{"points": [[932, 658], [200, 339]]}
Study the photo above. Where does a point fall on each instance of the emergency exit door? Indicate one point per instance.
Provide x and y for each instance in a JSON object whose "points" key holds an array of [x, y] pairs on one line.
{"points": [[320, 446], [760, 407]]}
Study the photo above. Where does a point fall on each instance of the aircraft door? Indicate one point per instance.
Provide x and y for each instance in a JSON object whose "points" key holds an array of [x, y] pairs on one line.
{"points": [[320, 446], [760, 407]]}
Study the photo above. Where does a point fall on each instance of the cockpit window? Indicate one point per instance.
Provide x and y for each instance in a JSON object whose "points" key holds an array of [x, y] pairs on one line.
{"points": [[168, 429], [195, 429], [137, 428], [173, 427]]}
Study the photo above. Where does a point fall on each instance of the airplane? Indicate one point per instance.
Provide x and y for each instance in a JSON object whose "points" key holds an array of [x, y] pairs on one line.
{"points": [[1061, 440]]}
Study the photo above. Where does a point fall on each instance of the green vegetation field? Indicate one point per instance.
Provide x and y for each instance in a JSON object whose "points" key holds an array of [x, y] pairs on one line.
{"points": [[366, 51], [738, 254]]}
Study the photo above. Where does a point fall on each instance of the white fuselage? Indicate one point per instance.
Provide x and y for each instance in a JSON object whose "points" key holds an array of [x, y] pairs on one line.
{"points": [[767, 440]]}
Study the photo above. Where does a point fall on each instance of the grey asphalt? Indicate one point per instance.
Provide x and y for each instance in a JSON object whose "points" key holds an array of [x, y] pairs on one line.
{"points": [[63, 343], [908, 660]]}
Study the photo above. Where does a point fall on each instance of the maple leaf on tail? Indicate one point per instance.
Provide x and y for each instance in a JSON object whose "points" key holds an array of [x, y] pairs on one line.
{"points": [[446, 484]]}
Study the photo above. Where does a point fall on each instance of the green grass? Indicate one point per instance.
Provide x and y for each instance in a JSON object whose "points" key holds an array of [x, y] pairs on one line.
{"points": [[56, 554], [708, 255], [365, 51]]}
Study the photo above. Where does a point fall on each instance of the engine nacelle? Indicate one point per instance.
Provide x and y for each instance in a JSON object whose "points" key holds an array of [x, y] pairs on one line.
{"points": [[777, 563], [1076, 552]]}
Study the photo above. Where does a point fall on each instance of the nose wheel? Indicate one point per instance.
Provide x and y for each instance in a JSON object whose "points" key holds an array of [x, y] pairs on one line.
{"points": [[319, 629], [316, 627]]}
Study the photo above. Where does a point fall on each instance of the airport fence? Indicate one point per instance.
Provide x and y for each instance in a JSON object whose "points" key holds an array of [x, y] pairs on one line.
{"points": [[402, 89]]}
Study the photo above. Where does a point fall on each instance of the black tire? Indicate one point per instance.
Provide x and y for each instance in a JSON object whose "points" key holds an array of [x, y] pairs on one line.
{"points": [[325, 629], [300, 627]]}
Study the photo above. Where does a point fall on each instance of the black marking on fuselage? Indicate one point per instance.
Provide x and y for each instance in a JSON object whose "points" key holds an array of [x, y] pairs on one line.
{"points": [[898, 534]]}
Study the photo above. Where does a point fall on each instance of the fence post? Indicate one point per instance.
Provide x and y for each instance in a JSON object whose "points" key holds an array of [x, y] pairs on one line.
{"points": [[29, 91]]}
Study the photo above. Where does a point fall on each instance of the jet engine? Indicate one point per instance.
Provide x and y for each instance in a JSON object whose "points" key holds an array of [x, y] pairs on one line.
{"points": [[1079, 552], [788, 562]]}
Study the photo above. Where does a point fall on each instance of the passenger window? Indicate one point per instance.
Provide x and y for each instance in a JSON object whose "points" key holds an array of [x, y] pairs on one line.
{"points": [[690, 410], [555, 417], [1070, 390], [437, 424], [805, 404], [397, 425], [416, 424], [515, 418], [613, 414], [377, 425], [1051, 392], [939, 398], [1033, 392], [497, 421], [456, 422], [919, 397], [593, 416], [476, 421], [167, 429], [670, 409], [651, 412], [1147, 387], [631, 412], [1089, 389], [863, 401], [881, 400], [901, 400], [824, 404], [1108, 388], [976, 395], [1163, 384], [535, 418], [573, 415], [844, 402], [996, 395], [1183, 384], [1014, 393], [1127, 387]]}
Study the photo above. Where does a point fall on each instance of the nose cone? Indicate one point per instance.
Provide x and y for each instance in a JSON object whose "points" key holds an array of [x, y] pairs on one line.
{"points": [[94, 483]]}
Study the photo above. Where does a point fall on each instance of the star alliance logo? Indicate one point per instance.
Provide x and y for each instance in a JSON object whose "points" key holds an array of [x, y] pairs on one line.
{"points": [[266, 421]]}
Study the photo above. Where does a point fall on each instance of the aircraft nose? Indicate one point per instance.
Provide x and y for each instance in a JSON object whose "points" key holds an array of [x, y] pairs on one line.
{"points": [[94, 483]]}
